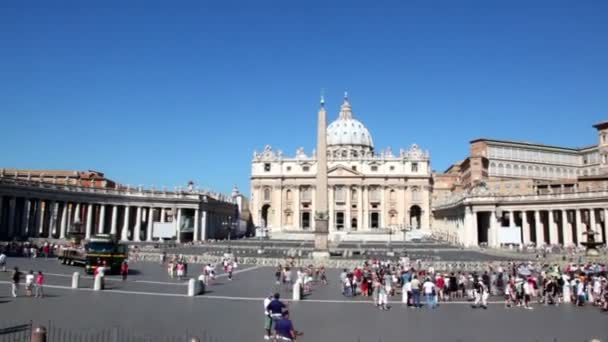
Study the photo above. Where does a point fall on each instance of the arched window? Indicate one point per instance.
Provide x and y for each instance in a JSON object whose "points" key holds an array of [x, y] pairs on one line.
{"points": [[492, 169], [516, 170], [509, 170], [288, 195], [344, 154], [501, 169]]}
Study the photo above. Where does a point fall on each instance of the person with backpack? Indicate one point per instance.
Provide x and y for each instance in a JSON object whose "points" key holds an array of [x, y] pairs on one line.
{"points": [[15, 277]]}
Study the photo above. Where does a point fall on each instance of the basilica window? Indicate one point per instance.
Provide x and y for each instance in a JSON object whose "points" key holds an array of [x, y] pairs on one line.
{"points": [[344, 154], [339, 220], [339, 193], [305, 193], [392, 168], [267, 167], [374, 168], [392, 195], [415, 194], [374, 194], [353, 195], [305, 168], [414, 167], [355, 154], [374, 220], [266, 194], [354, 167], [289, 168]]}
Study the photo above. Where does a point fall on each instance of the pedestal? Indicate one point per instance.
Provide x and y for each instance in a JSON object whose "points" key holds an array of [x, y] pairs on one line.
{"points": [[321, 250]]}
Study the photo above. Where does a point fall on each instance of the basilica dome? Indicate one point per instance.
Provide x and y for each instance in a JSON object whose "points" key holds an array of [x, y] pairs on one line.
{"points": [[346, 131]]}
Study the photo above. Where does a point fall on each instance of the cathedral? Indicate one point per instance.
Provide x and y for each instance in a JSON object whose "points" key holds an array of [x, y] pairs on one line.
{"points": [[371, 194]]}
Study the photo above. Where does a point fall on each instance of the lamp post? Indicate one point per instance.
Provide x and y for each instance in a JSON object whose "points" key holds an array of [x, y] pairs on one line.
{"points": [[228, 225]]}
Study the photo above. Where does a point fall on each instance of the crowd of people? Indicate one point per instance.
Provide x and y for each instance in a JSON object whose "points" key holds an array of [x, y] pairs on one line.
{"points": [[28, 249], [519, 284]]}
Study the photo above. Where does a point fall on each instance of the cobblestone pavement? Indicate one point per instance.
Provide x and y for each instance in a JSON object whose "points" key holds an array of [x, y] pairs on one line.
{"points": [[150, 302]]}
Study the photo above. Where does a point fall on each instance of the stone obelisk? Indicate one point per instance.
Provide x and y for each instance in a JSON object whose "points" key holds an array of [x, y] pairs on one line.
{"points": [[321, 250]]}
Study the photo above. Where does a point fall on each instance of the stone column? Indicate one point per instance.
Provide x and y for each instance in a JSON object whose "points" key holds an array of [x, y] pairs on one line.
{"points": [[347, 191], [204, 226], [114, 220], [540, 229], [579, 226], [11, 216], [102, 219], [493, 233], [25, 217], [331, 223], [197, 236], [470, 227], [124, 234], [40, 219], [382, 222], [1, 202], [553, 233], [364, 208], [89, 224], [137, 228], [297, 224], [360, 208], [178, 225], [54, 209], [162, 215], [77, 214], [567, 230], [151, 224], [525, 227], [511, 219], [592, 220], [64, 221]]}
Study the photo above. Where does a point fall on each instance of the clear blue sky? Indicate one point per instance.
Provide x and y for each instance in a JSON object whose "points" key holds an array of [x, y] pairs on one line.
{"points": [[156, 93]]}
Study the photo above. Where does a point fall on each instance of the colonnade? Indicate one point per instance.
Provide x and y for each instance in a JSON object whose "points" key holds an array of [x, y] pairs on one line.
{"points": [[23, 217], [565, 225]]}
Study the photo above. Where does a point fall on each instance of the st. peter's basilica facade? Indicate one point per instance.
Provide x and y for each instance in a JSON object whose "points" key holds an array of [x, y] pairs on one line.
{"points": [[371, 194]]}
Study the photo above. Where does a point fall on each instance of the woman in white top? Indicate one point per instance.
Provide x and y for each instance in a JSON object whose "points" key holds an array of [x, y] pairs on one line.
{"points": [[29, 283], [429, 291]]}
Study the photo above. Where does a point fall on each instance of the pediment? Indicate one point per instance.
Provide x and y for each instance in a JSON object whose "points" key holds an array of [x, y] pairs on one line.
{"points": [[342, 171]]}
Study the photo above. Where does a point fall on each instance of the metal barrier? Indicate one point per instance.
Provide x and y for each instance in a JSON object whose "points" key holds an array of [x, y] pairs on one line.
{"points": [[17, 333], [60, 334]]}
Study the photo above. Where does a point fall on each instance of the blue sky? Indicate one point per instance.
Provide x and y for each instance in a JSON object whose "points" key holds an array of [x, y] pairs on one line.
{"points": [[158, 93]]}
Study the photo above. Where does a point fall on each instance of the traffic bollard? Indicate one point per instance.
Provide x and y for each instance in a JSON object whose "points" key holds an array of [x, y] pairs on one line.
{"points": [[75, 280], [191, 287], [296, 291], [39, 334], [98, 283]]}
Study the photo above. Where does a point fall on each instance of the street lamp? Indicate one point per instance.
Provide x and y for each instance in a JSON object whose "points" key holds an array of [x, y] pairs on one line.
{"points": [[228, 225]]}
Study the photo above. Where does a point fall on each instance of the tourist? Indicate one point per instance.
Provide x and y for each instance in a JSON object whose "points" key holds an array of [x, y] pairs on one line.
{"points": [[481, 294], [39, 285], [323, 275], [229, 269], [267, 317], [278, 275], [124, 270], [180, 270], [15, 277], [283, 328], [3, 261], [383, 291], [29, 283], [429, 290], [528, 287], [171, 269], [415, 285]]}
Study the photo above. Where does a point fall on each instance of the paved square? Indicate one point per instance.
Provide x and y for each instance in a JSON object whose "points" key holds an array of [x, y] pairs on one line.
{"points": [[149, 302]]}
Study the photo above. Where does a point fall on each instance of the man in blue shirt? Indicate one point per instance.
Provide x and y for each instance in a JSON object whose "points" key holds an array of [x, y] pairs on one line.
{"points": [[284, 329], [275, 307]]}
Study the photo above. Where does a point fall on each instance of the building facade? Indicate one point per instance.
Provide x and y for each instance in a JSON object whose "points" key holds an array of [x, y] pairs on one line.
{"points": [[36, 208], [550, 194], [370, 193]]}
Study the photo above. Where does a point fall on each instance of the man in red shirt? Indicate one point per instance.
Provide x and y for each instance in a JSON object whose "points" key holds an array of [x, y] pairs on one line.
{"points": [[124, 270]]}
